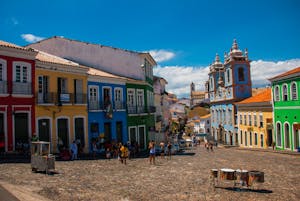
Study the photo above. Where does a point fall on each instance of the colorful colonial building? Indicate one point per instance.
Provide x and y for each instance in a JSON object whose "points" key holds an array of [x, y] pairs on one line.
{"points": [[286, 106], [106, 107], [17, 111], [255, 120], [61, 103], [228, 83]]}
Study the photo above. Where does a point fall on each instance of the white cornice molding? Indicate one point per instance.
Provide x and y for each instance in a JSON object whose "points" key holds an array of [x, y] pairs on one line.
{"points": [[61, 68], [18, 53]]}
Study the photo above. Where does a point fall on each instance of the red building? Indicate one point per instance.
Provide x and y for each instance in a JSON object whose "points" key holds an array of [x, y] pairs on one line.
{"points": [[17, 115]]}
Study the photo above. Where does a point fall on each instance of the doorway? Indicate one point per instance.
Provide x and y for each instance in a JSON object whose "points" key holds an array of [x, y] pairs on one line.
{"points": [[270, 137], [119, 130], [63, 133], [2, 134], [21, 131], [107, 132], [296, 138], [44, 130]]}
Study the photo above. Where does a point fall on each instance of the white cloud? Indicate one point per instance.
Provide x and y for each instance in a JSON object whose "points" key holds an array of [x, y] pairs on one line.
{"points": [[180, 77], [31, 38], [161, 55]]}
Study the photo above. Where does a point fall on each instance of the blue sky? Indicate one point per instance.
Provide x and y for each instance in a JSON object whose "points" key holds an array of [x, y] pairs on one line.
{"points": [[183, 36]]}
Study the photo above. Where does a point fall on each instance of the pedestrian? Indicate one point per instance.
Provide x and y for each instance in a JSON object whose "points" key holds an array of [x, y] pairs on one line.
{"points": [[211, 146], [94, 147], [74, 150], [152, 152], [124, 153], [108, 153], [162, 149], [169, 146]]}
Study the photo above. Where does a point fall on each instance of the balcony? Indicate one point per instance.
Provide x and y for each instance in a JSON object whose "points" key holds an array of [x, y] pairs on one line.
{"points": [[3, 87], [55, 98], [119, 105], [22, 88]]}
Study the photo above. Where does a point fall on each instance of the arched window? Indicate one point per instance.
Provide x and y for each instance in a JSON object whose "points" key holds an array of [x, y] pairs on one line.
{"points": [[287, 135], [278, 134], [211, 84], [294, 95], [246, 140], [228, 76], [284, 92], [276, 93], [241, 74]]}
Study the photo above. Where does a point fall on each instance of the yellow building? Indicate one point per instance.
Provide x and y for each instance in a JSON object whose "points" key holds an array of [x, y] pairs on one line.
{"points": [[254, 116], [61, 103]]}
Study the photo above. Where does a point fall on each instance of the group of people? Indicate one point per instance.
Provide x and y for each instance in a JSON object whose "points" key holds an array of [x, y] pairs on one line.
{"points": [[152, 151]]}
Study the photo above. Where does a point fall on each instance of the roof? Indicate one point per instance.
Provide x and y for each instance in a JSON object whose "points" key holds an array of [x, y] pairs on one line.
{"points": [[205, 116], [256, 91], [94, 71], [264, 96], [286, 74], [11, 45], [45, 57]]}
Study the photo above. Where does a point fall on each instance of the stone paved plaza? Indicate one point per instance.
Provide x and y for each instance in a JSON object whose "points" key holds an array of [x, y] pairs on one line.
{"points": [[184, 177]]}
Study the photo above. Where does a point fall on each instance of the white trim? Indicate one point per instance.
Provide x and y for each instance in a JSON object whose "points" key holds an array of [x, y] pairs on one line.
{"points": [[51, 131], [288, 134], [291, 91], [56, 124], [84, 124], [13, 123], [276, 134], [287, 91], [4, 69], [5, 128], [276, 87], [22, 64], [287, 107]]}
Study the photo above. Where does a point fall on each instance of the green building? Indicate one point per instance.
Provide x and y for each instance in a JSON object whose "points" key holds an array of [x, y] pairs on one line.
{"points": [[140, 105], [286, 107]]}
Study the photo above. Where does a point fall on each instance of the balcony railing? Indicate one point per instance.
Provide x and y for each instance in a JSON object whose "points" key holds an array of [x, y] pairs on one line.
{"points": [[151, 109], [59, 99], [100, 105], [3, 87], [22, 88], [119, 105]]}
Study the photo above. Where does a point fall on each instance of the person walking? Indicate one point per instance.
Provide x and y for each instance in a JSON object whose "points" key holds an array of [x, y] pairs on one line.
{"points": [[74, 150], [152, 152], [162, 149], [124, 153], [169, 146]]}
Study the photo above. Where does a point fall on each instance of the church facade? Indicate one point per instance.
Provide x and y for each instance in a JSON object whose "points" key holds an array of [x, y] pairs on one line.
{"points": [[228, 82]]}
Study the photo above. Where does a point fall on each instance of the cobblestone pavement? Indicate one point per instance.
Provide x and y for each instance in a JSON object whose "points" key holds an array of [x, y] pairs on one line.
{"points": [[184, 177]]}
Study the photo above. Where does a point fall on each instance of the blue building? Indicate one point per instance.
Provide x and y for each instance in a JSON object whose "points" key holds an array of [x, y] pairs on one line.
{"points": [[229, 82], [107, 117]]}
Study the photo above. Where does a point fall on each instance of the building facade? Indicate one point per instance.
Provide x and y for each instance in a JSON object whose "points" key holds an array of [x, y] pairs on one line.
{"points": [[107, 117], [61, 103], [17, 111], [255, 121], [286, 106], [228, 83]]}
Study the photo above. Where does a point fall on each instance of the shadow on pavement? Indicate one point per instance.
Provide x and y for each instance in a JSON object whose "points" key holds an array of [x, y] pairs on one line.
{"points": [[245, 190]]}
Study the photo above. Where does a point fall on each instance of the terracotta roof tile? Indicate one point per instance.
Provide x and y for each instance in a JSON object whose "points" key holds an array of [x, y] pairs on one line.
{"points": [[7, 44], [45, 57], [296, 70], [264, 96], [205, 116]]}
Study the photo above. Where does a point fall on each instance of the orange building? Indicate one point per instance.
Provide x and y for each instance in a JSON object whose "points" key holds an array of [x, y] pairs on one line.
{"points": [[255, 117]]}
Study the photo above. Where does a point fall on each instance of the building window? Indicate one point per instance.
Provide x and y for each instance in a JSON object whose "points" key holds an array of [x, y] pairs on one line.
{"points": [[255, 138], [261, 121], [118, 98], [22, 72], [262, 140], [250, 120], [287, 135], [241, 74], [131, 100], [140, 100], [246, 140], [3, 75], [228, 76], [211, 85], [250, 140], [276, 92], [278, 134], [241, 119], [284, 92], [241, 136], [294, 91], [245, 119], [255, 119], [93, 98]]}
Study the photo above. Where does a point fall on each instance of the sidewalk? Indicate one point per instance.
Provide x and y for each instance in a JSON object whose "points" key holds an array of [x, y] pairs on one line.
{"points": [[5, 195]]}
